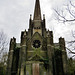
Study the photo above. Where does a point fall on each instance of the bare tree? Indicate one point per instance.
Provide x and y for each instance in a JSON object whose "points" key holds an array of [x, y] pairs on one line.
{"points": [[71, 45], [3, 43], [67, 14], [3, 52]]}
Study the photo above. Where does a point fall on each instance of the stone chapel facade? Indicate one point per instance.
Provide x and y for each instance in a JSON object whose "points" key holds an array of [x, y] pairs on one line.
{"points": [[37, 54]]}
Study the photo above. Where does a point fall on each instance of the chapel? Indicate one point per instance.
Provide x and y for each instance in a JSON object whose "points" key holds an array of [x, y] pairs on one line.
{"points": [[37, 54]]}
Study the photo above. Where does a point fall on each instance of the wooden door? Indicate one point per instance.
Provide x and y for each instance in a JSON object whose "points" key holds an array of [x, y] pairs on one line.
{"points": [[35, 69]]}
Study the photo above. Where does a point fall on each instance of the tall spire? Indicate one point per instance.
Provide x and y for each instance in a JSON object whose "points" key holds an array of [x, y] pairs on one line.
{"points": [[37, 11]]}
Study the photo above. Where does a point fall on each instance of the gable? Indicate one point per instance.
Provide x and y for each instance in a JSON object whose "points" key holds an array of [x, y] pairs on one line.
{"points": [[36, 36], [36, 57]]}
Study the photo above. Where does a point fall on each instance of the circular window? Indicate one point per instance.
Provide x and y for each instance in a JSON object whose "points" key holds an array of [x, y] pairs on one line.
{"points": [[36, 43]]}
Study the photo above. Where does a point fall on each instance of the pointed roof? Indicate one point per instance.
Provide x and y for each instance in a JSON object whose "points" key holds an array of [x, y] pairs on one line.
{"points": [[37, 11]]}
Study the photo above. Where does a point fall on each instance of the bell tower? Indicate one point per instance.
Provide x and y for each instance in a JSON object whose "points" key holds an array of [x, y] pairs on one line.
{"points": [[37, 18], [37, 24]]}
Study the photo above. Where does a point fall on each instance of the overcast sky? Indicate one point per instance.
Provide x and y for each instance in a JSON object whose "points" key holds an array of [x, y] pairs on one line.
{"points": [[14, 17]]}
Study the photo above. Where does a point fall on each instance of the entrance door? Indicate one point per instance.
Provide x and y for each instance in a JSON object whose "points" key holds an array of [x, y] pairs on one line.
{"points": [[36, 69]]}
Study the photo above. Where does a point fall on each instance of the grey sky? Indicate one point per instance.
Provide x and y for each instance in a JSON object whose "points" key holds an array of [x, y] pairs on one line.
{"points": [[14, 17]]}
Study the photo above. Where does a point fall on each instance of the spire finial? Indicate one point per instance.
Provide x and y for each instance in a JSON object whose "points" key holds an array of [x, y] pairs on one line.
{"points": [[37, 11], [30, 16]]}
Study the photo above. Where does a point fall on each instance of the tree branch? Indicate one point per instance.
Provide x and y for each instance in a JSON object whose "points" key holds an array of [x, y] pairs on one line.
{"points": [[63, 18], [72, 4], [3, 43]]}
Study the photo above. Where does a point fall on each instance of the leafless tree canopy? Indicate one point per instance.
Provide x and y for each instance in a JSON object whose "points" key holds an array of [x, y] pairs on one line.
{"points": [[71, 45], [3, 43], [67, 14]]}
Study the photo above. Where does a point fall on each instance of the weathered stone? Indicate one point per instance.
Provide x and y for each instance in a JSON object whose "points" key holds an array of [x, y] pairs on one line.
{"points": [[37, 54]]}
